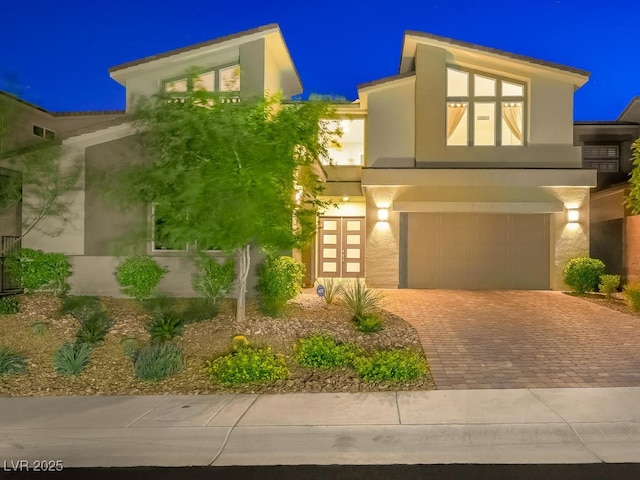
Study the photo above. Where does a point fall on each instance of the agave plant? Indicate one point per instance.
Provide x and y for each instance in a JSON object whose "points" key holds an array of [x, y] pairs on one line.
{"points": [[71, 358], [332, 288], [11, 362], [359, 299]]}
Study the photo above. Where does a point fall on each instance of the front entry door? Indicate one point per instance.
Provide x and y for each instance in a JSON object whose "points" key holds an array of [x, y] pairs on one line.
{"points": [[341, 247]]}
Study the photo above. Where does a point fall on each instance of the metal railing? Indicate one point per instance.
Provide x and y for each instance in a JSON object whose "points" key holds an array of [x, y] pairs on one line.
{"points": [[8, 284]]}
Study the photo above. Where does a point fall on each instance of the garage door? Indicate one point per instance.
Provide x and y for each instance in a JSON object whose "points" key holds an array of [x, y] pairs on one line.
{"points": [[477, 251]]}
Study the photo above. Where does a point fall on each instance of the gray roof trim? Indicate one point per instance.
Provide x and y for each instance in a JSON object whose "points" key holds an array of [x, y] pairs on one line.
{"points": [[504, 53], [382, 81], [215, 41]]}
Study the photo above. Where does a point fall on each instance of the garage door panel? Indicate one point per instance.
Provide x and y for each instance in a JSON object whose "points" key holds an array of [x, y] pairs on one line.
{"points": [[478, 251]]}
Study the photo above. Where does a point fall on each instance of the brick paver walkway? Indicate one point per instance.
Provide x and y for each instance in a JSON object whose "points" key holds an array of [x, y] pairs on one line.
{"points": [[520, 339]]}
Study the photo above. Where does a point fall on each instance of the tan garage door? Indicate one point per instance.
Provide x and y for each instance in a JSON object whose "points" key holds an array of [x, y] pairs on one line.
{"points": [[477, 251]]}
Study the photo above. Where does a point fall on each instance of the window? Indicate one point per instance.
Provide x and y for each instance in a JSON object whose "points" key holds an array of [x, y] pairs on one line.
{"points": [[44, 133], [160, 238], [604, 158], [229, 81], [483, 110], [347, 150]]}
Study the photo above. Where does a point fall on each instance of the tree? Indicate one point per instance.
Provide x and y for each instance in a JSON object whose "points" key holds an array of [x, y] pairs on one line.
{"points": [[633, 197], [230, 175], [35, 178]]}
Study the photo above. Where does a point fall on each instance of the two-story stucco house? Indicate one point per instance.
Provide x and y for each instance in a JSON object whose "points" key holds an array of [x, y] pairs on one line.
{"points": [[459, 172]]}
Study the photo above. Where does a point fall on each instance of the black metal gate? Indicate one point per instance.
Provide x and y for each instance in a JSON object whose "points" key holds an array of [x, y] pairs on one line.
{"points": [[7, 283]]}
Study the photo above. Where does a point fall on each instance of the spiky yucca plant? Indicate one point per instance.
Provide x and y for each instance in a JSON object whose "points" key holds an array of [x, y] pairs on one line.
{"points": [[360, 299]]}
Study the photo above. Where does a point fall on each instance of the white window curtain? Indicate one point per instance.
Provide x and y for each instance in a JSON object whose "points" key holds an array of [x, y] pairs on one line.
{"points": [[455, 112], [512, 114]]}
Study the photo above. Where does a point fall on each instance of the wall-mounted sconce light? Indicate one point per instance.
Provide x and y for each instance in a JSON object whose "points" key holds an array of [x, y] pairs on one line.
{"points": [[573, 215], [383, 214], [345, 199]]}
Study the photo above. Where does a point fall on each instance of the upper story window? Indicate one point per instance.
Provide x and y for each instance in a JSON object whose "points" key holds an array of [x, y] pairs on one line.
{"points": [[483, 109], [604, 158], [225, 79], [43, 132], [348, 150]]}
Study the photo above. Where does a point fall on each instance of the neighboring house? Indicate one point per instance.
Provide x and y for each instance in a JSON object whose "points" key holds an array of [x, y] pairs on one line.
{"points": [[459, 172], [24, 125], [615, 233]]}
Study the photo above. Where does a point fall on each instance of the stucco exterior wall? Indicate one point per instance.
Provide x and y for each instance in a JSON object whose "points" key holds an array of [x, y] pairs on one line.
{"points": [[548, 122], [390, 127], [106, 224], [382, 256]]}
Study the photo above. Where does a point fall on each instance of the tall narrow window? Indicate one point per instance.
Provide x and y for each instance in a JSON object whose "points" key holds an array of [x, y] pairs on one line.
{"points": [[484, 110]]}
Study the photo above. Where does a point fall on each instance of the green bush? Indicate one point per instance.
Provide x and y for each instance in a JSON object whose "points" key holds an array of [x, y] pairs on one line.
{"points": [[39, 271], [165, 326], [213, 279], [71, 358], [80, 307], [158, 361], [39, 328], [130, 347], [369, 323], [359, 299], [247, 365], [632, 296], [609, 284], [280, 280], [9, 305], [94, 329], [322, 351], [11, 362], [332, 288], [582, 274], [391, 365], [200, 309], [139, 276]]}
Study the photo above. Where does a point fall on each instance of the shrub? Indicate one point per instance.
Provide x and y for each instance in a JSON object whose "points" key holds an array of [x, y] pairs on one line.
{"points": [[80, 307], [247, 365], [165, 326], [71, 358], [322, 351], [94, 328], [369, 323], [391, 365], [200, 309], [9, 305], [280, 280], [11, 362], [359, 299], [582, 274], [238, 342], [158, 361], [609, 284], [39, 328], [213, 279], [130, 347], [139, 276], [332, 288], [632, 296], [39, 271]]}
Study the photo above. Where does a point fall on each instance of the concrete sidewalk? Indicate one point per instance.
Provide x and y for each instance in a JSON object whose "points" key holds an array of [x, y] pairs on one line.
{"points": [[467, 426]]}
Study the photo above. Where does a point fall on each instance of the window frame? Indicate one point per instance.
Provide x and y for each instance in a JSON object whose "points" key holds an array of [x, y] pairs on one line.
{"points": [[47, 134], [216, 80], [471, 99], [189, 246]]}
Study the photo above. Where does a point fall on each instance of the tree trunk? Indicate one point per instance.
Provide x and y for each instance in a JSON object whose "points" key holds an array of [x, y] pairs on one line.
{"points": [[244, 262]]}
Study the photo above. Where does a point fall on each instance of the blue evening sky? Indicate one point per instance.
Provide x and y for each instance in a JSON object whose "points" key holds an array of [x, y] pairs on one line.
{"points": [[56, 54]]}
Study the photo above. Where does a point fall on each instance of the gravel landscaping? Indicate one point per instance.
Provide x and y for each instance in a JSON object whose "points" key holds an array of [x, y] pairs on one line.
{"points": [[110, 371]]}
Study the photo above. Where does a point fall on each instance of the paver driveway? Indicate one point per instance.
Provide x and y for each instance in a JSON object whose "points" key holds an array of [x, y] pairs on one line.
{"points": [[520, 339]]}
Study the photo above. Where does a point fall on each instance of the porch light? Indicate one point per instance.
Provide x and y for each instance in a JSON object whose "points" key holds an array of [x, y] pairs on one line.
{"points": [[383, 214], [573, 215], [345, 199]]}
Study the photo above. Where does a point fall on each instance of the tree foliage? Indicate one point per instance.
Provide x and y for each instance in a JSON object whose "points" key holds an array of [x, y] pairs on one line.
{"points": [[633, 197], [228, 174]]}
